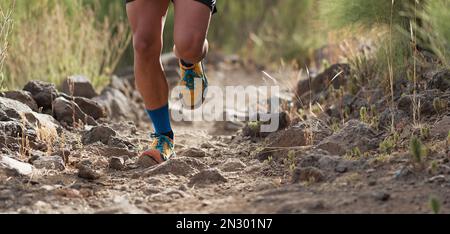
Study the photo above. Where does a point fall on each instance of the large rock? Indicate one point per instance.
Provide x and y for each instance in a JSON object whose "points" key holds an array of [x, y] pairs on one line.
{"points": [[117, 105], [79, 86], [401, 118], [442, 128], [98, 133], [90, 107], [42, 92], [348, 105], [23, 97], [301, 134], [68, 112], [18, 112], [406, 102], [123, 85], [253, 129], [354, 134], [14, 166], [440, 80]]}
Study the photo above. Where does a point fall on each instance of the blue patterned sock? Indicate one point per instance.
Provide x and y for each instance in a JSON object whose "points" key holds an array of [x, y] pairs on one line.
{"points": [[161, 121]]}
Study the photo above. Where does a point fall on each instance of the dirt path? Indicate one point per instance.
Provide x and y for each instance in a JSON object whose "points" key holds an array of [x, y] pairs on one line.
{"points": [[218, 170]]}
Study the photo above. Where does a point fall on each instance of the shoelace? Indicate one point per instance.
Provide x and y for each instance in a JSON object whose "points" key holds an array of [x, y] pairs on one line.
{"points": [[161, 140]]}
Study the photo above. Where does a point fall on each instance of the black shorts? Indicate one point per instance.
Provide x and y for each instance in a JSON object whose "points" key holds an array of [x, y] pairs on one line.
{"points": [[210, 3]]}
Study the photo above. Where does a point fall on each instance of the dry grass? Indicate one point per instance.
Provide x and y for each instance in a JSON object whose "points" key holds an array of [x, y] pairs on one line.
{"points": [[24, 140], [5, 29], [47, 135], [56, 44]]}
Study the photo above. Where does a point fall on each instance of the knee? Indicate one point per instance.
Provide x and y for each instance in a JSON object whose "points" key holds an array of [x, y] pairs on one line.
{"points": [[190, 48], [147, 45]]}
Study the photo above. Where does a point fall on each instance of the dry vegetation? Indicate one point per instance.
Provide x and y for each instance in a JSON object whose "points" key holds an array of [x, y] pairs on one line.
{"points": [[48, 43]]}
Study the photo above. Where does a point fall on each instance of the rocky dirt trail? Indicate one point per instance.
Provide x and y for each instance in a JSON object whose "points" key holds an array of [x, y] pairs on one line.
{"points": [[77, 153]]}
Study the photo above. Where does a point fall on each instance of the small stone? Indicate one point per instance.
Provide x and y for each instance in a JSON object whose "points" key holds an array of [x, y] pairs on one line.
{"points": [[381, 196], [152, 191], [438, 179], [98, 134], [325, 162], [42, 205], [119, 143], [404, 173], [232, 165], [308, 174], [341, 168], [346, 165], [193, 153], [87, 173], [183, 188], [207, 145], [50, 163], [117, 163], [68, 192], [207, 177]]}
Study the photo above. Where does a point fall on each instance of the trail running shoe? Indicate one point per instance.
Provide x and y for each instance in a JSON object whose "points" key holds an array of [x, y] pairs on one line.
{"points": [[194, 85], [161, 150]]}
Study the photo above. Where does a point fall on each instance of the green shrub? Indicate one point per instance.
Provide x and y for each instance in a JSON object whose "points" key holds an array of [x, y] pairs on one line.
{"points": [[386, 15], [436, 30], [435, 205], [388, 145], [268, 30], [367, 13], [417, 150]]}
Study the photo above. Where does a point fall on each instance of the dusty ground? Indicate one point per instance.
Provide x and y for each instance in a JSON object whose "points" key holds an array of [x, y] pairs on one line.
{"points": [[222, 171]]}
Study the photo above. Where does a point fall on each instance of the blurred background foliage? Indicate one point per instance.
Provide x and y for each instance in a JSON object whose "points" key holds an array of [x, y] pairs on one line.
{"points": [[51, 39]]}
